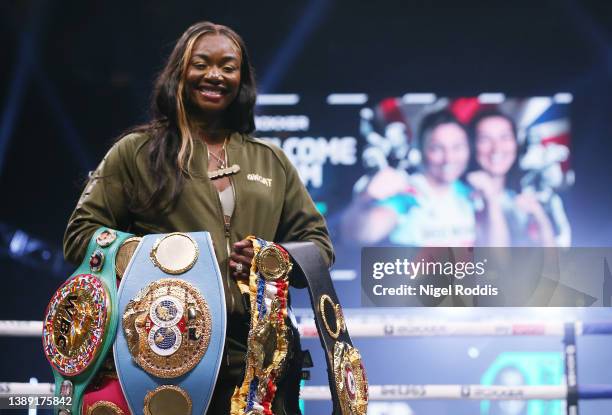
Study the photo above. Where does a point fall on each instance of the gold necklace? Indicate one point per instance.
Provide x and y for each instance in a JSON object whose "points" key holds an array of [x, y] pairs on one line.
{"points": [[222, 171], [220, 161]]}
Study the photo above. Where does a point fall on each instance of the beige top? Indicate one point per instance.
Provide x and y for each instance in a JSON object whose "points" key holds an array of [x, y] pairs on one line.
{"points": [[227, 201]]}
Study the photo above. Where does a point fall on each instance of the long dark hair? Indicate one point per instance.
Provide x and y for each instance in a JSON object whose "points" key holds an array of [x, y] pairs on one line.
{"points": [[171, 143]]}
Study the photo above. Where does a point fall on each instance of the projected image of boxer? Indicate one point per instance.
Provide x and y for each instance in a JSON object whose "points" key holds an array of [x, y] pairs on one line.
{"points": [[510, 217], [428, 208]]}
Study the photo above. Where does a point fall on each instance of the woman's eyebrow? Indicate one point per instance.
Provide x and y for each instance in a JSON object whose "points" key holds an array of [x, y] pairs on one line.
{"points": [[228, 58], [225, 58]]}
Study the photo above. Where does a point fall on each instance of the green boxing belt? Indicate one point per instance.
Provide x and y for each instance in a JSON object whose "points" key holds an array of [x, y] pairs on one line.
{"points": [[81, 319]]}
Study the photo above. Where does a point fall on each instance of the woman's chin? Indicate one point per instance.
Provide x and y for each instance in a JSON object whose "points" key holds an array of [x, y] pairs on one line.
{"points": [[497, 171]]}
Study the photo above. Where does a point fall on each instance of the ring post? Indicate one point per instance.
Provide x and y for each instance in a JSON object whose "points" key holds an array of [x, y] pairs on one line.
{"points": [[571, 369]]}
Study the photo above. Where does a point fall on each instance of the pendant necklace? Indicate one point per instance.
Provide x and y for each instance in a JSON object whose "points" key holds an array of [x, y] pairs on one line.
{"points": [[222, 171]]}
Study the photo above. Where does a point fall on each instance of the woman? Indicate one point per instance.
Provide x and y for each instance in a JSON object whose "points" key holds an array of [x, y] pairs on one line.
{"points": [[508, 216], [425, 209], [165, 177]]}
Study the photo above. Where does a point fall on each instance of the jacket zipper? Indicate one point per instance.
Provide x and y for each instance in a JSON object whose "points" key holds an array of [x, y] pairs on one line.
{"points": [[226, 231]]}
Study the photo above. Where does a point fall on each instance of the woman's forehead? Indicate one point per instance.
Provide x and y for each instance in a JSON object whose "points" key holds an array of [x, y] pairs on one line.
{"points": [[494, 122], [216, 42], [447, 132]]}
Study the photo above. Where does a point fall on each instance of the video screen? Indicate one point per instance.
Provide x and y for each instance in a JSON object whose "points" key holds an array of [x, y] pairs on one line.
{"points": [[422, 170]]}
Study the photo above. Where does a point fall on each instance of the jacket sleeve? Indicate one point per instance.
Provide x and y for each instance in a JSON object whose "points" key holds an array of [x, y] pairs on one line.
{"points": [[102, 203], [300, 219]]}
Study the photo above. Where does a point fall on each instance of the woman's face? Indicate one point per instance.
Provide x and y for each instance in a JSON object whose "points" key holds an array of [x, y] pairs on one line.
{"points": [[212, 81], [446, 153], [496, 145]]}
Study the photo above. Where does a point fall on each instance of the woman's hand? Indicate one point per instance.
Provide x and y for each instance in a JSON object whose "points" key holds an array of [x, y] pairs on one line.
{"points": [[241, 258], [528, 202], [495, 231], [386, 183], [482, 182]]}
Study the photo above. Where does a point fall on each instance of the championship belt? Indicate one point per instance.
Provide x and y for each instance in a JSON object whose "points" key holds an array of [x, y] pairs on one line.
{"points": [[345, 370], [173, 320], [268, 341], [81, 320]]}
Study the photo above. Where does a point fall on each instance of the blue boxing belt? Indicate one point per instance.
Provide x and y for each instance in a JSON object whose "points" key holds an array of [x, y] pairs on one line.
{"points": [[173, 320], [81, 320]]}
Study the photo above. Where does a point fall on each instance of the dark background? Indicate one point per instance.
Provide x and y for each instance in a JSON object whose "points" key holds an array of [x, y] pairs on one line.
{"points": [[75, 74]]}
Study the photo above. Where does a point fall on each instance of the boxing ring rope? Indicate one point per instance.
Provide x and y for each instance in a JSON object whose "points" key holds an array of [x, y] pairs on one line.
{"points": [[398, 327], [470, 392], [400, 392], [371, 328], [368, 327]]}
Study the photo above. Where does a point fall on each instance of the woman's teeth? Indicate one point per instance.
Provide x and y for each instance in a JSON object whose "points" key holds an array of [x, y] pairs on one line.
{"points": [[210, 92], [498, 158]]}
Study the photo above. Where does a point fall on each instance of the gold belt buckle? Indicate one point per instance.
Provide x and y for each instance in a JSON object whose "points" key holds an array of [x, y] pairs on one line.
{"points": [[351, 380], [167, 327], [75, 324]]}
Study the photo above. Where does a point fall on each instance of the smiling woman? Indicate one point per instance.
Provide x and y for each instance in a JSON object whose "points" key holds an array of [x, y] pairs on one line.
{"points": [[213, 74], [508, 216], [191, 168], [427, 208]]}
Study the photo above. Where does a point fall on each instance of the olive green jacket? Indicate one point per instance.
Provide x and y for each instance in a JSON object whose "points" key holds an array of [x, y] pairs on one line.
{"points": [[271, 202]]}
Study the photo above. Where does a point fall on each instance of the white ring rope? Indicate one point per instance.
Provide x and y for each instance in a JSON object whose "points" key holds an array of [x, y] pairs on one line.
{"points": [[398, 327], [383, 327], [472, 392], [20, 328], [16, 388], [377, 392]]}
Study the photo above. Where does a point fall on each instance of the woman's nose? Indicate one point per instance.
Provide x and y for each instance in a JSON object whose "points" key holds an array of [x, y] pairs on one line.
{"points": [[213, 74]]}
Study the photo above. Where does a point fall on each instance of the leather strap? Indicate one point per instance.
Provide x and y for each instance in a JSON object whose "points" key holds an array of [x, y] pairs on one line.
{"points": [[311, 270]]}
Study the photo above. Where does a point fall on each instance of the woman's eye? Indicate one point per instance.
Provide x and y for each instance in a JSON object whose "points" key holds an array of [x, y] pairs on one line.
{"points": [[199, 65], [229, 69]]}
